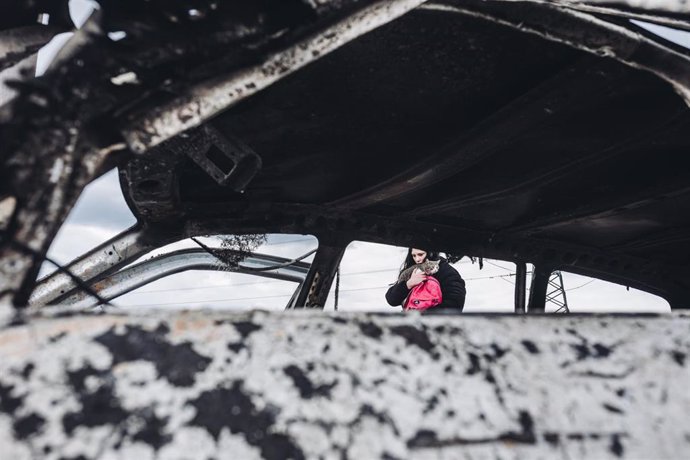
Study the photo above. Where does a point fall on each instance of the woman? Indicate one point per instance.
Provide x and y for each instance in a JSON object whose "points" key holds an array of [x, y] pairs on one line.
{"points": [[452, 284]]}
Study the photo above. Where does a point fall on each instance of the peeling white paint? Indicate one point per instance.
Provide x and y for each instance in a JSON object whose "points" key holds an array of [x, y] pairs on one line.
{"points": [[351, 385]]}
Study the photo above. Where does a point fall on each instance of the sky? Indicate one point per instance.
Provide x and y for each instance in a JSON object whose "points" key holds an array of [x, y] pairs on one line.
{"points": [[367, 269]]}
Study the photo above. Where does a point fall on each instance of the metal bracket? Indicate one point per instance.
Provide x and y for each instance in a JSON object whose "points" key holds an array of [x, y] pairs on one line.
{"points": [[229, 161]]}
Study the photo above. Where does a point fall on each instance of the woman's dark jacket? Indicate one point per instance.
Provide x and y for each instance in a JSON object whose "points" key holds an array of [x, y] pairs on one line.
{"points": [[452, 288]]}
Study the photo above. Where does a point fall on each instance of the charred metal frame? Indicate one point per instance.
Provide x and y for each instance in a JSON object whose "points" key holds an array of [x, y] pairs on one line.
{"points": [[315, 288], [167, 378], [78, 157], [587, 32], [81, 151], [102, 267], [101, 261], [337, 227], [634, 47], [332, 230], [537, 293], [160, 266], [520, 286], [628, 10], [56, 149], [203, 101]]}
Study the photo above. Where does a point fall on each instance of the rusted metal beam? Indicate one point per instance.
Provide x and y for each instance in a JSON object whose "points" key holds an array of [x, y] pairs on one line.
{"points": [[52, 156], [674, 22], [162, 265], [538, 287], [317, 284], [42, 209], [207, 99], [520, 286], [106, 258], [668, 13], [666, 7], [588, 33], [597, 36]]}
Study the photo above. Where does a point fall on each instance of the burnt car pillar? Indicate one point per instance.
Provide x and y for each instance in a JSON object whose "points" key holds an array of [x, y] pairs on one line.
{"points": [[520, 286], [52, 146], [537, 293], [314, 290]]}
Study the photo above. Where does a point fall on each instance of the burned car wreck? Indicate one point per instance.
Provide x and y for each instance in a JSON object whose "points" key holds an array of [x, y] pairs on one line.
{"points": [[544, 133]]}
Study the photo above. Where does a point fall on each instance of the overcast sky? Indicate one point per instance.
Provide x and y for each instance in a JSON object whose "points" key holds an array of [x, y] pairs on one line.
{"points": [[366, 270]]}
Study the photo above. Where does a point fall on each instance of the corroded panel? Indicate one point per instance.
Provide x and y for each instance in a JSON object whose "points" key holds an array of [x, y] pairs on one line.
{"points": [[313, 385]]}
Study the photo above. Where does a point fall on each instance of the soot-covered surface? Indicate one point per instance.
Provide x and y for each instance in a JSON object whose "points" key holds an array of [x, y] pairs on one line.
{"points": [[272, 386]]}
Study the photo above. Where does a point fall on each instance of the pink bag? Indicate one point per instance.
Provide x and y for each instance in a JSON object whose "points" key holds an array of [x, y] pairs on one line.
{"points": [[424, 295]]}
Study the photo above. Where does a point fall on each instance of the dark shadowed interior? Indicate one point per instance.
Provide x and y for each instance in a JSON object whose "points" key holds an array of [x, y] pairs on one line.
{"points": [[467, 135], [545, 133]]}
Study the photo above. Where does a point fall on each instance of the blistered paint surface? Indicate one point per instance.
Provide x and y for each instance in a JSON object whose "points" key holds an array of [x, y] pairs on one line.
{"points": [[310, 385]]}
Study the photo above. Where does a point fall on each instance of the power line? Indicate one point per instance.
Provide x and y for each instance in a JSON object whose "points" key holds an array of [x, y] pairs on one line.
{"points": [[508, 281], [289, 294], [241, 298], [269, 297], [496, 265], [205, 301], [212, 286], [492, 277], [371, 271], [582, 285], [275, 244], [250, 283]]}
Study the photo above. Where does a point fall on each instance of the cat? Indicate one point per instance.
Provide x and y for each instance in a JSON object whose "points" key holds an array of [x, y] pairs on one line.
{"points": [[429, 267]]}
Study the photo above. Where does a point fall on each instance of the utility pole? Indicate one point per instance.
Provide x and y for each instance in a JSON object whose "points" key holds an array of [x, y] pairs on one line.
{"points": [[555, 293]]}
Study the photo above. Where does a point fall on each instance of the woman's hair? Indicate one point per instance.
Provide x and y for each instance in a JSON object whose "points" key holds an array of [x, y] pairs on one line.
{"points": [[409, 261]]}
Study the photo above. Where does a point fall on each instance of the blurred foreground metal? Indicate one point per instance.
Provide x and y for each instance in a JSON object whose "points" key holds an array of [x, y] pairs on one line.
{"points": [[305, 385]]}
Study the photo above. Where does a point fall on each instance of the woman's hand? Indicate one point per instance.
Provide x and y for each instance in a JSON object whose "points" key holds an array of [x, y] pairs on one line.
{"points": [[417, 277]]}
